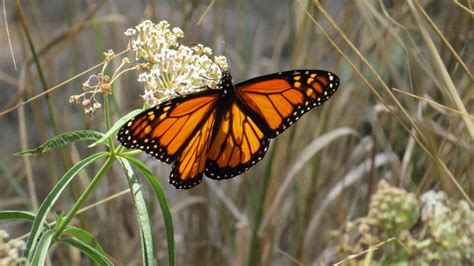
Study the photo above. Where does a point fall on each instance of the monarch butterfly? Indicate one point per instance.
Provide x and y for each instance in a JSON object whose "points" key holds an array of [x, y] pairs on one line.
{"points": [[224, 131]]}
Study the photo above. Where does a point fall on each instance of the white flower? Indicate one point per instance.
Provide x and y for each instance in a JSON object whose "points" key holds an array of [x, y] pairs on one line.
{"points": [[433, 205], [172, 69], [130, 32]]}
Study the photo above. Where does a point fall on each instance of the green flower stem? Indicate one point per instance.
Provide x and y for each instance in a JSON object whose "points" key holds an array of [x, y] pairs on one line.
{"points": [[116, 76], [83, 197], [107, 121]]}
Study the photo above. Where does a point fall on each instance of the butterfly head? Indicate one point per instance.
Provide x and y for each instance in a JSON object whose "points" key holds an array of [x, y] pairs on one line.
{"points": [[226, 78], [226, 84]]}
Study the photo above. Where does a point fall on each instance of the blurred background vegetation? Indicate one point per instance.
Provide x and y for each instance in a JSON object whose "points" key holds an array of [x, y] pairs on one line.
{"points": [[323, 171]]}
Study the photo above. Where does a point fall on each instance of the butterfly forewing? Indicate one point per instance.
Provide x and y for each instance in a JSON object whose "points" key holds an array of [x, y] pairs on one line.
{"points": [[277, 100], [164, 130]]}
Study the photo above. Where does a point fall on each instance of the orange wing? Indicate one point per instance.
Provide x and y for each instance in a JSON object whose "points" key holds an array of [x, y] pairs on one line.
{"points": [[277, 100], [237, 144], [263, 108], [189, 167], [166, 130]]}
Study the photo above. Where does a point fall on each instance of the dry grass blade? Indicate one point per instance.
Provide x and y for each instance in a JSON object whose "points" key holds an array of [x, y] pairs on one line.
{"points": [[469, 11], [421, 140], [351, 257], [4, 112], [462, 114], [238, 215], [353, 176], [445, 41], [205, 12], [86, 208], [441, 70], [291, 258], [313, 148], [8, 35], [186, 203], [26, 160]]}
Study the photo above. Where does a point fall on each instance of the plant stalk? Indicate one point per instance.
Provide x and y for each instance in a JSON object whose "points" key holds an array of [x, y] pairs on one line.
{"points": [[83, 197]]}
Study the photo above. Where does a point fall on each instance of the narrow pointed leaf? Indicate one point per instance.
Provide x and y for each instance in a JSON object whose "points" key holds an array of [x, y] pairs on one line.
{"points": [[161, 195], [17, 215], [61, 140], [51, 199], [94, 254], [84, 236], [142, 214], [116, 126], [39, 256]]}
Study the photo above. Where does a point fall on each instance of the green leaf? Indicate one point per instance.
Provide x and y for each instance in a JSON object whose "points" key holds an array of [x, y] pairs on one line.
{"points": [[94, 254], [84, 237], [20, 215], [49, 201], [17, 215], [39, 256], [116, 127], [146, 234], [61, 140], [161, 195], [60, 219]]}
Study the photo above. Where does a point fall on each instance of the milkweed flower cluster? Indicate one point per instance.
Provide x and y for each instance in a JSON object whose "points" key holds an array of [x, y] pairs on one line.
{"points": [[451, 225], [10, 251], [168, 68], [393, 209], [444, 234]]}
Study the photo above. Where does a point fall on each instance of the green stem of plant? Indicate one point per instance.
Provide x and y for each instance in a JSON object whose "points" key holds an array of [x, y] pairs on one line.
{"points": [[83, 197], [254, 248], [107, 121]]}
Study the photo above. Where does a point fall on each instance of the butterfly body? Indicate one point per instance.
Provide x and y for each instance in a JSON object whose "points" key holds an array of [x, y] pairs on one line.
{"points": [[223, 131]]}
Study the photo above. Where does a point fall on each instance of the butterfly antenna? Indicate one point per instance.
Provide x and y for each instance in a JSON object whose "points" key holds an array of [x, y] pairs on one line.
{"points": [[219, 66], [208, 68], [226, 56]]}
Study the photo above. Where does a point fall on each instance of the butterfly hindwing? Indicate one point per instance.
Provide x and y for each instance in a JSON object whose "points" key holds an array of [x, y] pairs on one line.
{"points": [[190, 164], [277, 100], [237, 145]]}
